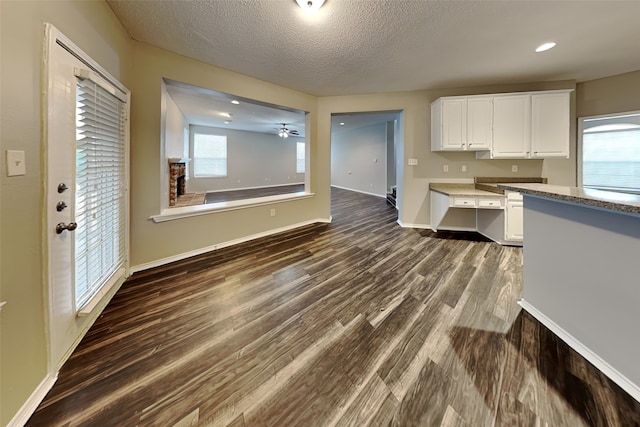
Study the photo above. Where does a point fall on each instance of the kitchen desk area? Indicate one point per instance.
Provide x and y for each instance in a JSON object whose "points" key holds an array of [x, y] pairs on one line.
{"points": [[480, 206], [581, 273]]}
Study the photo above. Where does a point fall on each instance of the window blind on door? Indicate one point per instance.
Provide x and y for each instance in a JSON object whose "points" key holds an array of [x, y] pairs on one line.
{"points": [[100, 187]]}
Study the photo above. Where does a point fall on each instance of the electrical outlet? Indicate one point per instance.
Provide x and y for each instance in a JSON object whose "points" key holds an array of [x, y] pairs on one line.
{"points": [[272, 212], [514, 168], [445, 168], [463, 168]]}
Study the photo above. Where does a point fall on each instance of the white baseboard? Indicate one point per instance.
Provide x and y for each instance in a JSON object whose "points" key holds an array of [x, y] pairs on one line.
{"points": [[408, 225], [428, 227], [359, 191], [184, 255], [30, 406], [624, 383]]}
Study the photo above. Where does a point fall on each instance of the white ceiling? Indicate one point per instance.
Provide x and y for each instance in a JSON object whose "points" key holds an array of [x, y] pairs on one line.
{"points": [[206, 107], [355, 46]]}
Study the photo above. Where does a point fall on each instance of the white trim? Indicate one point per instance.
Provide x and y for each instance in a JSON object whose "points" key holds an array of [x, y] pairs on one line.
{"points": [[584, 351], [254, 188], [184, 255], [119, 276], [170, 214], [359, 191], [29, 407], [408, 225]]}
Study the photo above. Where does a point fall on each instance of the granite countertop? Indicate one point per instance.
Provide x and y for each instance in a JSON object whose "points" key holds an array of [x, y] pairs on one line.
{"points": [[621, 202], [462, 190], [482, 186], [491, 183]]}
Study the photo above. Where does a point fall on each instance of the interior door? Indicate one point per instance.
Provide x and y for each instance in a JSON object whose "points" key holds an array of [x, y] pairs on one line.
{"points": [[60, 202]]}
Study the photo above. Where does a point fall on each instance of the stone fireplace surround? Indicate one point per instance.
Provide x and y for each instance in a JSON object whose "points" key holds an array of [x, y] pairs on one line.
{"points": [[177, 179]]}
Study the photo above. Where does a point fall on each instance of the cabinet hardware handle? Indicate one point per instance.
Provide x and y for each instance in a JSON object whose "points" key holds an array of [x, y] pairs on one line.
{"points": [[62, 187], [60, 206]]}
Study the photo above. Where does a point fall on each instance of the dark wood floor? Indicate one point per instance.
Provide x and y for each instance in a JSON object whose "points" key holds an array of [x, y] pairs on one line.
{"points": [[252, 193], [358, 322]]}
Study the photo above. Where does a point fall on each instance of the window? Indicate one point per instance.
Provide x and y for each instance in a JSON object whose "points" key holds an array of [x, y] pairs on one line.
{"points": [[209, 155], [99, 185], [611, 153], [300, 157]]}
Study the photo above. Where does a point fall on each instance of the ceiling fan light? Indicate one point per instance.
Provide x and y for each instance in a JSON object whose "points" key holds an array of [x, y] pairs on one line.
{"points": [[310, 4]]}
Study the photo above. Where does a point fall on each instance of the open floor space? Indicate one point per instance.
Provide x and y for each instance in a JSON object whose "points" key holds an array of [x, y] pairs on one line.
{"points": [[358, 322]]}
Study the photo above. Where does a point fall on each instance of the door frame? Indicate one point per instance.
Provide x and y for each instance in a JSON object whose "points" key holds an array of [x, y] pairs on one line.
{"points": [[52, 38]]}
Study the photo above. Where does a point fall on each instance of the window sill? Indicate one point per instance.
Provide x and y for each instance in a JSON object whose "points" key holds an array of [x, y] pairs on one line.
{"points": [[171, 214]]}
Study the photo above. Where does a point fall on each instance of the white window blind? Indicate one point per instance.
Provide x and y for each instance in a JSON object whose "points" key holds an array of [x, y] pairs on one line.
{"points": [[611, 153], [300, 157], [100, 184], [209, 155]]}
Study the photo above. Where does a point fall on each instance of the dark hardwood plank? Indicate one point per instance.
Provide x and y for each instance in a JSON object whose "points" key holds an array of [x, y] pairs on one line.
{"points": [[358, 322]]}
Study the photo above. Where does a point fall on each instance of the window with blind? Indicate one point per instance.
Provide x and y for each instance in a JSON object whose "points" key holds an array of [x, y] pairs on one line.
{"points": [[100, 185], [300, 157], [209, 155], [611, 153]]}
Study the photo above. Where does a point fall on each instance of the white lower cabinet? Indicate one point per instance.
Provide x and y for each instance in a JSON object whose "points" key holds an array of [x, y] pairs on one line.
{"points": [[514, 221]]}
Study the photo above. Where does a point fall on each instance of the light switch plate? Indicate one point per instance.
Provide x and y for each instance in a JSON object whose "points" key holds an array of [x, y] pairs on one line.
{"points": [[514, 168], [463, 168], [15, 163], [413, 162]]}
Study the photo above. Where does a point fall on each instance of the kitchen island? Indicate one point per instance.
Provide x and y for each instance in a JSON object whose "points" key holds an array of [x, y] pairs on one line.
{"points": [[581, 274]]}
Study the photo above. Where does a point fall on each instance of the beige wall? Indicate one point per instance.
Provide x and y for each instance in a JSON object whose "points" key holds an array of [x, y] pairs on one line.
{"points": [[94, 28], [155, 241], [615, 94], [254, 159]]}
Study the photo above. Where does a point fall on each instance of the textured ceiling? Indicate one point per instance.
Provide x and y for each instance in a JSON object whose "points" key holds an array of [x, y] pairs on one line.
{"points": [[356, 46]]}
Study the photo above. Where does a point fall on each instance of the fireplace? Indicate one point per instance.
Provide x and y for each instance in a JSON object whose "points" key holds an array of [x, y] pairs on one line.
{"points": [[177, 179]]}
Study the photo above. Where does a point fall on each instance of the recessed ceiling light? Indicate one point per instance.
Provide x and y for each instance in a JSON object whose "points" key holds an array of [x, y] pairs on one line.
{"points": [[545, 46], [227, 115], [310, 4], [226, 122], [235, 102], [341, 123]]}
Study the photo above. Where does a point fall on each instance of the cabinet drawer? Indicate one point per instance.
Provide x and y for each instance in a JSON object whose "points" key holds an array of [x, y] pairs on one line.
{"points": [[492, 203], [464, 202]]}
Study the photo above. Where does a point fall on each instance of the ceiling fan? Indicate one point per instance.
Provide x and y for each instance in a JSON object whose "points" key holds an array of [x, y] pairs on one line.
{"points": [[284, 132]]}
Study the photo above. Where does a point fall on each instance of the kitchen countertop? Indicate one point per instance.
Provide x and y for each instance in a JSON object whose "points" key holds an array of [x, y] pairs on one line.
{"points": [[469, 190], [482, 186], [491, 183], [621, 202]]}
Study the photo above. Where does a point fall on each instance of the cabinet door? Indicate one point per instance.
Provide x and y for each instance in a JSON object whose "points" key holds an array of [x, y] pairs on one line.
{"points": [[479, 123], [550, 119], [511, 126], [514, 227], [454, 123]]}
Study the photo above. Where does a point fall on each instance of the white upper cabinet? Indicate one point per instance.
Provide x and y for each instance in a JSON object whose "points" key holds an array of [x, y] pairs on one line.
{"points": [[479, 123], [511, 126], [526, 125], [550, 119], [530, 126], [461, 123]]}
